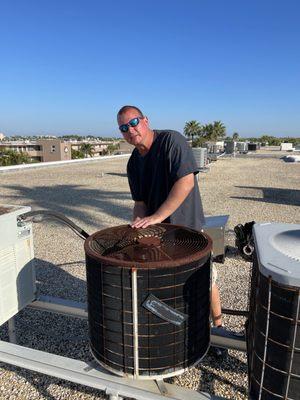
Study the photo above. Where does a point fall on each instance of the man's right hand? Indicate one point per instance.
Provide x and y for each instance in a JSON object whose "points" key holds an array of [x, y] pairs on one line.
{"points": [[135, 221], [146, 221]]}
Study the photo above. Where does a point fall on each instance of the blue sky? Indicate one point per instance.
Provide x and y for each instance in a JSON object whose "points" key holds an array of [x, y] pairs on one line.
{"points": [[68, 66]]}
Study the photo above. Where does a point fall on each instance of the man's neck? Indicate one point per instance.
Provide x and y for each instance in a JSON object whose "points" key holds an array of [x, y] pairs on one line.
{"points": [[143, 148]]}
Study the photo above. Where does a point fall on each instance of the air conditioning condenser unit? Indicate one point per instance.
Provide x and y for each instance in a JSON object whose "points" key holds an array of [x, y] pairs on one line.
{"points": [[17, 274]]}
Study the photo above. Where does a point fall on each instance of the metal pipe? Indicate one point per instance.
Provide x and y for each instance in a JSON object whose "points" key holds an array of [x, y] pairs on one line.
{"points": [[135, 322], [60, 306], [293, 346], [266, 340], [221, 337], [56, 215]]}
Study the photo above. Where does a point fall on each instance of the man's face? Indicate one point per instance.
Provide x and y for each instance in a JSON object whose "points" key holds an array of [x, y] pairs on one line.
{"points": [[135, 135]]}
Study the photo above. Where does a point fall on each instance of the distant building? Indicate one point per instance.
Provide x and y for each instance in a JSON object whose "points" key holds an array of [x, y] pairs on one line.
{"points": [[45, 150], [2, 136], [54, 150], [98, 148], [42, 150]]}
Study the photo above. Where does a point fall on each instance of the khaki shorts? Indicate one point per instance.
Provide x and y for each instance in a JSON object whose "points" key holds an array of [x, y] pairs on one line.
{"points": [[214, 274]]}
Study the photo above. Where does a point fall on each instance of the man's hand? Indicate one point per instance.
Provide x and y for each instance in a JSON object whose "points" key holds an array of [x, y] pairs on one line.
{"points": [[146, 221]]}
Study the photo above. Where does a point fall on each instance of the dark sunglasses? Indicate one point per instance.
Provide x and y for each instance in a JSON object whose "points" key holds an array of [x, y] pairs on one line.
{"points": [[133, 122]]}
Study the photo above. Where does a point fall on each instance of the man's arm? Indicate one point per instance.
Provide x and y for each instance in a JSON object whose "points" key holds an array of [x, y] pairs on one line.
{"points": [[179, 192]]}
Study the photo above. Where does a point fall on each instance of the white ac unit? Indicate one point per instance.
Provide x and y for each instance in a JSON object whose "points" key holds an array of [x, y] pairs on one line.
{"points": [[273, 339], [200, 155], [17, 274]]}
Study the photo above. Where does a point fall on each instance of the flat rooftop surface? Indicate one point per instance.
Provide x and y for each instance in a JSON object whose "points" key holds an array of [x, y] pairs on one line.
{"points": [[96, 195]]}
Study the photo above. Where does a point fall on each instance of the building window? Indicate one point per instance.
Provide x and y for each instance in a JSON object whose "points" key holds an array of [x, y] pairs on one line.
{"points": [[53, 148], [33, 148]]}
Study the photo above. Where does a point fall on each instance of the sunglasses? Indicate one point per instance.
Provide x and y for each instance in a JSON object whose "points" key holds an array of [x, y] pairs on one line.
{"points": [[133, 122]]}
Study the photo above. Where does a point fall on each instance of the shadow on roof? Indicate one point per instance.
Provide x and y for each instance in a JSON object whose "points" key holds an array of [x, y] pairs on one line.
{"points": [[289, 197], [116, 174], [209, 377], [75, 202]]}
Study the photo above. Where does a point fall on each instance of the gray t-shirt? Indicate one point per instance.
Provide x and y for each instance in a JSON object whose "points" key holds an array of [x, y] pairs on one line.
{"points": [[151, 177]]}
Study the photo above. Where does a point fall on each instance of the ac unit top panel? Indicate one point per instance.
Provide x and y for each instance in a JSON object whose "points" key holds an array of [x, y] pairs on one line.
{"points": [[7, 210], [10, 230], [278, 250]]}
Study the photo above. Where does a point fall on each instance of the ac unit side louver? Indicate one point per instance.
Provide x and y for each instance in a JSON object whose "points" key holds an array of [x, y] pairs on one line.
{"points": [[17, 275]]}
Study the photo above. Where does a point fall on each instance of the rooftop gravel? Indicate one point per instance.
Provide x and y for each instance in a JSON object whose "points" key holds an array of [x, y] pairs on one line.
{"points": [[260, 187]]}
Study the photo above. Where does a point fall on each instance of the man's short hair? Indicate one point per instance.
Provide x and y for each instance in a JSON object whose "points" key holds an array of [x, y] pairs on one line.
{"points": [[126, 108]]}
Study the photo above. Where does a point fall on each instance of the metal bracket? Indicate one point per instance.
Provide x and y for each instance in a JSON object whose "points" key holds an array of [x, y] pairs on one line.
{"points": [[162, 387], [113, 394], [12, 330], [219, 337]]}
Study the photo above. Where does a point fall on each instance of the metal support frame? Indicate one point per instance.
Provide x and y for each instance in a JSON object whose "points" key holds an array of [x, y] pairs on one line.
{"points": [[92, 374], [219, 337], [12, 331], [86, 374], [161, 386]]}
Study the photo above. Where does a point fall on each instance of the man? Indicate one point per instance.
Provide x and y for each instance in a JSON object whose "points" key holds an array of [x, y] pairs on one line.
{"points": [[161, 173]]}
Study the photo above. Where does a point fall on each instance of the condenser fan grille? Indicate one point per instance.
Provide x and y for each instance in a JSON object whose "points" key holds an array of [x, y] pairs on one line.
{"points": [[157, 243]]}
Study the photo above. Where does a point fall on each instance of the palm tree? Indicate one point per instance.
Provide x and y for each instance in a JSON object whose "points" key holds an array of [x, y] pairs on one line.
{"points": [[219, 130], [111, 148], [191, 129], [87, 149], [207, 131], [235, 136], [214, 131], [76, 154]]}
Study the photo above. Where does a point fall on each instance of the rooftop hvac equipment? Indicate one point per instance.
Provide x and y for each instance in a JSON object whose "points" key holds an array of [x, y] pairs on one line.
{"points": [[212, 157], [17, 278], [214, 149], [213, 152], [220, 144], [252, 146], [242, 147], [200, 155], [214, 226], [148, 299], [229, 147], [273, 337], [286, 146]]}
